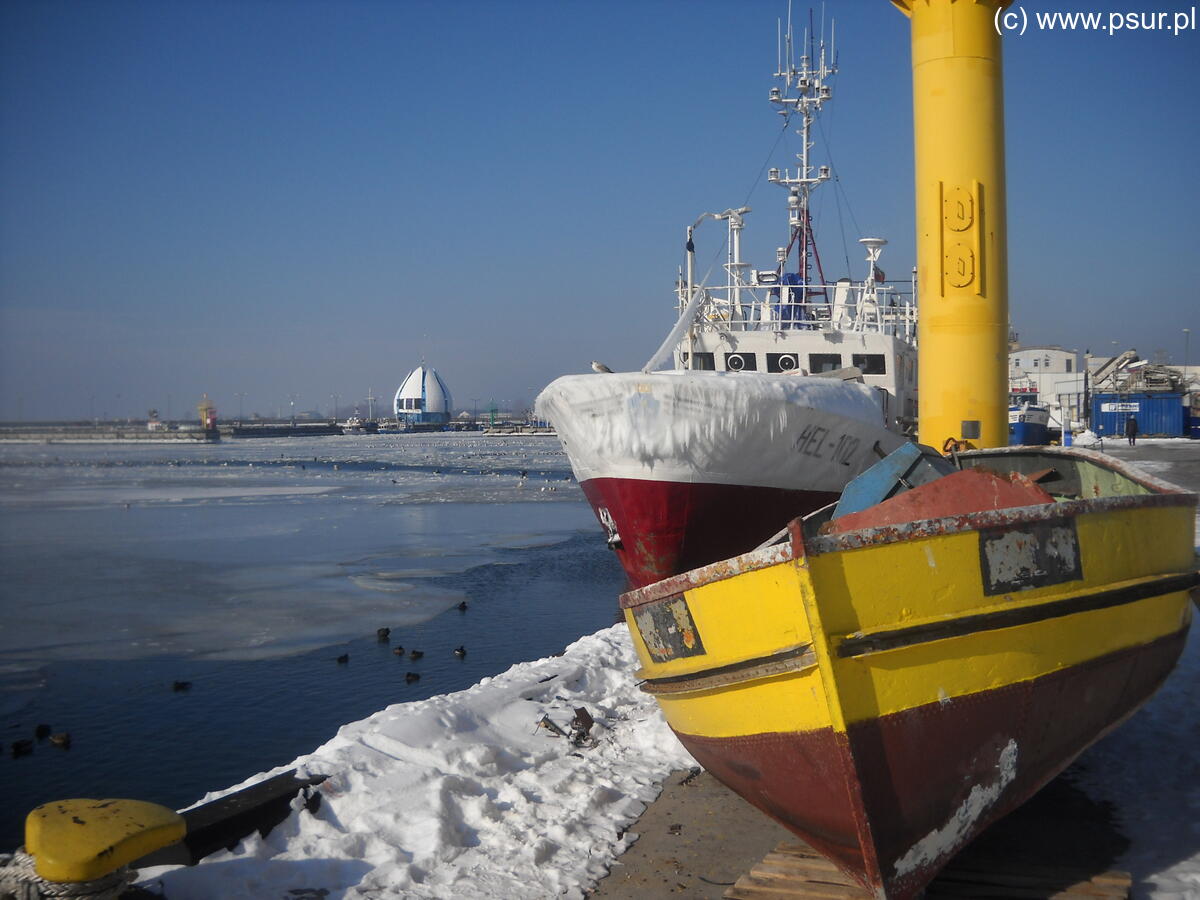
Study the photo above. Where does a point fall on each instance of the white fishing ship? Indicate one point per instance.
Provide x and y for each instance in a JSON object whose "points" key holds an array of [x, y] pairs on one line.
{"points": [[783, 385], [1028, 424]]}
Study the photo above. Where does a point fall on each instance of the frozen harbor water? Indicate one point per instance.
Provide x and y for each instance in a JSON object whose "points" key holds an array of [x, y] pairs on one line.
{"points": [[460, 794], [458, 797], [245, 568]]}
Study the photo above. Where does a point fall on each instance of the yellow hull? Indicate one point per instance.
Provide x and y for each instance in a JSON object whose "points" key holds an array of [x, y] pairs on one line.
{"points": [[861, 687]]}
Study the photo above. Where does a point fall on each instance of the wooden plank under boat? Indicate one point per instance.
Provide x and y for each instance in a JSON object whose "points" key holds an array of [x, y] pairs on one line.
{"points": [[887, 692]]}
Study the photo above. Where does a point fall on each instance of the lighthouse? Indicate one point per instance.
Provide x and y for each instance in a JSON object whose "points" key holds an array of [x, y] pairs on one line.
{"points": [[423, 401]]}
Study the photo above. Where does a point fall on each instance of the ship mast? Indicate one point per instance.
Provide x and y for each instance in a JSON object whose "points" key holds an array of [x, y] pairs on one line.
{"points": [[804, 90]]}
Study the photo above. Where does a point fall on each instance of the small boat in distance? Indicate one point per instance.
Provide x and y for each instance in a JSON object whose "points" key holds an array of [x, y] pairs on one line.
{"points": [[784, 386], [891, 677], [1028, 424], [355, 424]]}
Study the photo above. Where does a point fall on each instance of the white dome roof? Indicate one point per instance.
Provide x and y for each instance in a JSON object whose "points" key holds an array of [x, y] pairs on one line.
{"points": [[427, 385]]}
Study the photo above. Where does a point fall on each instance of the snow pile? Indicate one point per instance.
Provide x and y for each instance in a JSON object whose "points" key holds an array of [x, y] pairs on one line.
{"points": [[781, 431], [464, 795], [1085, 438]]}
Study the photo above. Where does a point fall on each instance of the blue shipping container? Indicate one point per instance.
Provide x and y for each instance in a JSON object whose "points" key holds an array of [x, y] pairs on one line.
{"points": [[1157, 414]]}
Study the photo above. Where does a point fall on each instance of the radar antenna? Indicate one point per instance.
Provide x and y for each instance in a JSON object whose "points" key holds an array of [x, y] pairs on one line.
{"points": [[803, 90]]}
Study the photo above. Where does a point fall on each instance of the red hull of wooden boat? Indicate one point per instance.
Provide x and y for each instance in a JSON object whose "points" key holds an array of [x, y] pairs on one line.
{"points": [[877, 795]]}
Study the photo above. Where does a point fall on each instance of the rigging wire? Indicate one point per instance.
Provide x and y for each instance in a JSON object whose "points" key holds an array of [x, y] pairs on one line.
{"points": [[787, 120], [842, 227], [839, 192]]}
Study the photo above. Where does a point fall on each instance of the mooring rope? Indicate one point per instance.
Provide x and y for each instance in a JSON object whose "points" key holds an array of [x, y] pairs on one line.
{"points": [[20, 880]]}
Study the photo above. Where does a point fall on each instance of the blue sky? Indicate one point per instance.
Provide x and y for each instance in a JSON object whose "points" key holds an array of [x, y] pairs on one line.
{"points": [[284, 199]]}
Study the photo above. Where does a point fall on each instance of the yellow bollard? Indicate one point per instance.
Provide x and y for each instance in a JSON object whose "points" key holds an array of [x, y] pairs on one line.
{"points": [[962, 278], [83, 840]]}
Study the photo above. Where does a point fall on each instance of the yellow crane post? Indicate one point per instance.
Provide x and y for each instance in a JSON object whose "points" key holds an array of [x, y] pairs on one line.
{"points": [[962, 280]]}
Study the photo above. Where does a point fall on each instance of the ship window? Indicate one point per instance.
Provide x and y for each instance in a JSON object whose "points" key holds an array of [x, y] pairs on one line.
{"points": [[782, 362], [824, 362], [870, 363], [1069, 361], [705, 362], [740, 362], [1035, 363], [1017, 362]]}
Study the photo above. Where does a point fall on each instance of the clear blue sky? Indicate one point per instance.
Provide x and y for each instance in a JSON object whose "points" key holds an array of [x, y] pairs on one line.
{"points": [[301, 198]]}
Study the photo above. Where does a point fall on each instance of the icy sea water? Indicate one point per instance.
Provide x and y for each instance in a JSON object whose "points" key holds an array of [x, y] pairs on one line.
{"points": [[246, 568]]}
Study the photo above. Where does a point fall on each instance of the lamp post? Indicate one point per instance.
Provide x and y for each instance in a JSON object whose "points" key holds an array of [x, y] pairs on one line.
{"points": [[1187, 335]]}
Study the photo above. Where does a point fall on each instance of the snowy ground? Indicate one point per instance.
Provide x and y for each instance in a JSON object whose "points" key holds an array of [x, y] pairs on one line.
{"points": [[464, 795]]}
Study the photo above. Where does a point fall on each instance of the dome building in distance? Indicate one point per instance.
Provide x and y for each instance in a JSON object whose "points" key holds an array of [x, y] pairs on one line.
{"points": [[423, 400]]}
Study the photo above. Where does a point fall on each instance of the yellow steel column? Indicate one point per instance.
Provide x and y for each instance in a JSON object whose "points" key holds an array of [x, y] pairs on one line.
{"points": [[962, 283]]}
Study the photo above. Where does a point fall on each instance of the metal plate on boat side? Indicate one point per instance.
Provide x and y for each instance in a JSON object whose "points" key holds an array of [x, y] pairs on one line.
{"points": [[667, 629], [1030, 555]]}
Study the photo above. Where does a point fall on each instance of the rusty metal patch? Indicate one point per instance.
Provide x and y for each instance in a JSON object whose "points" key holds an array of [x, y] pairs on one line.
{"points": [[1029, 555], [668, 630]]}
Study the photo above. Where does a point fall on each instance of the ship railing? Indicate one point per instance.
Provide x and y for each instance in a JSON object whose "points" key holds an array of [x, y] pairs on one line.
{"points": [[885, 309]]}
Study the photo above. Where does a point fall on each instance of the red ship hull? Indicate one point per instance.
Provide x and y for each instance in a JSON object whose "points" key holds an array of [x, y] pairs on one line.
{"points": [[668, 527]]}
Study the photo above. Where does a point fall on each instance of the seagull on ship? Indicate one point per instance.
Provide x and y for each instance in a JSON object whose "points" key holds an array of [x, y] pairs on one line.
{"points": [[600, 367]]}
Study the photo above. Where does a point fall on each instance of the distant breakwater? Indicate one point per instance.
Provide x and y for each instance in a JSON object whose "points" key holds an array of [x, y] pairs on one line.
{"points": [[74, 433]]}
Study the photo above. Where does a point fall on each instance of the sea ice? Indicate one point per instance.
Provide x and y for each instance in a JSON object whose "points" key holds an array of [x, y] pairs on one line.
{"points": [[245, 549]]}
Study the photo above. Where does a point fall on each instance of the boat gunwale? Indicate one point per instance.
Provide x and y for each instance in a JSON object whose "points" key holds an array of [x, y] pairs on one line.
{"points": [[758, 558], [1164, 494], [991, 518], [1098, 458]]}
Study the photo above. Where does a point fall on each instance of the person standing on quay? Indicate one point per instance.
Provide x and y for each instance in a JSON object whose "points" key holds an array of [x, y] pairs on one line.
{"points": [[1131, 430]]}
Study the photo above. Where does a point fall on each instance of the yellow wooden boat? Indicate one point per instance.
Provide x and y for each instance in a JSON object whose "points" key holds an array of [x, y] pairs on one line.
{"points": [[886, 692]]}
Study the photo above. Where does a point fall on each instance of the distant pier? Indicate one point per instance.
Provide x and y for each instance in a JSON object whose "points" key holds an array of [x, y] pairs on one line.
{"points": [[101, 432]]}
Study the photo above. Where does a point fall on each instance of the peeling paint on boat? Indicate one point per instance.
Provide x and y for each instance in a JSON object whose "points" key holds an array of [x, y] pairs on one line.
{"points": [[949, 838]]}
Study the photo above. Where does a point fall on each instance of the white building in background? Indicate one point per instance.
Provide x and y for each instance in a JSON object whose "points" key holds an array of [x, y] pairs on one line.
{"points": [[1050, 376], [423, 399]]}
